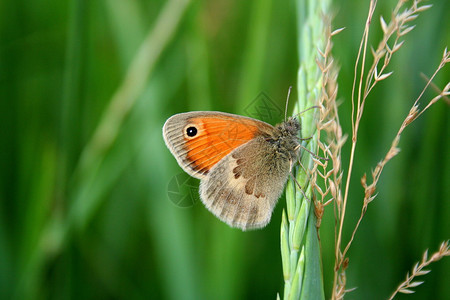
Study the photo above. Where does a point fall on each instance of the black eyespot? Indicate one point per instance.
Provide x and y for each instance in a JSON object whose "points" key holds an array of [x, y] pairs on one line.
{"points": [[191, 131]]}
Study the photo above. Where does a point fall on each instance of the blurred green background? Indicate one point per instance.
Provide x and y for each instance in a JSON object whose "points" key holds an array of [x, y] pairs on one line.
{"points": [[87, 190]]}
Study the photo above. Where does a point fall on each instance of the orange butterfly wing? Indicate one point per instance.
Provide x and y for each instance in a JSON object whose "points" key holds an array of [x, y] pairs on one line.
{"points": [[199, 140]]}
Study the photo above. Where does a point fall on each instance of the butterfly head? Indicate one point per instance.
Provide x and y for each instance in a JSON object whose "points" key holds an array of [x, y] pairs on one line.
{"points": [[289, 128], [285, 137]]}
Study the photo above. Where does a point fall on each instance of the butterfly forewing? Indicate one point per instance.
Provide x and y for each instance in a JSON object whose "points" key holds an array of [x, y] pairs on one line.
{"points": [[199, 140]]}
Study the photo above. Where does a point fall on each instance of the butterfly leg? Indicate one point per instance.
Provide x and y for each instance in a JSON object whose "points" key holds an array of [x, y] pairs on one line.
{"points": [[299, 186], [310, 152]]}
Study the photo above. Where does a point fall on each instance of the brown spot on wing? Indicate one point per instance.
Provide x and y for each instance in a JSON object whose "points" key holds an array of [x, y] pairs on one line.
{"points": [[250, 186], [259, 195], [237, 171]]}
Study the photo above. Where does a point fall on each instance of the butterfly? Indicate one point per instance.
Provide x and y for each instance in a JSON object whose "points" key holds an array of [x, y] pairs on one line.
{"points": [[242, 163]]}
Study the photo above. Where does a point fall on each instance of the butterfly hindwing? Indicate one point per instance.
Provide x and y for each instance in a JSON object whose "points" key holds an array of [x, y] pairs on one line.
{"points": [[243, 188]]}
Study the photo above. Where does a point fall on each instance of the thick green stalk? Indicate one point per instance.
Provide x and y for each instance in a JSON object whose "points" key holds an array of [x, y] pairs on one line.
{"points": [[300, 250]]}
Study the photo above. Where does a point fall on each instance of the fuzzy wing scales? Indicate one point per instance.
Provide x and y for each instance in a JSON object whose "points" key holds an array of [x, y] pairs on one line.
{"points": [[243, 188]]}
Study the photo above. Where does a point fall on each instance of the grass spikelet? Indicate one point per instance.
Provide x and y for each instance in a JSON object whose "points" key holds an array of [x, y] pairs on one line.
{"points": [[419, 270], [303, 273], [393, 33]]}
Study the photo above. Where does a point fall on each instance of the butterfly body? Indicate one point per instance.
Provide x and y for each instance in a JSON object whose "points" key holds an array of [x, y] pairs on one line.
{"points": [[243, 163]]}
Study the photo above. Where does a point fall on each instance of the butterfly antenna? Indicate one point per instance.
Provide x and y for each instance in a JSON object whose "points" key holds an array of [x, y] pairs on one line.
{"points": [[303, 111], [287, 103], [309, 151], [304, 139]]}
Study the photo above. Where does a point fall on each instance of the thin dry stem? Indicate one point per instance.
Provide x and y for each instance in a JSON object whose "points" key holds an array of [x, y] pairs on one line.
{"points": [[419, 269], [414, 113], [369, 189], [393, 32], [342, 207]]}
